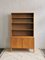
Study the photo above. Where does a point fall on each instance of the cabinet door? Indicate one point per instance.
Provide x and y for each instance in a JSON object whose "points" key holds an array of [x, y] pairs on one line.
{"points": [[16, 43], [32, 43], [28, 43]]}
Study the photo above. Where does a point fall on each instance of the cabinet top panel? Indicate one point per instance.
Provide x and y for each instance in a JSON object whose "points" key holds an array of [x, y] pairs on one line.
{"points": [[22, 13]]}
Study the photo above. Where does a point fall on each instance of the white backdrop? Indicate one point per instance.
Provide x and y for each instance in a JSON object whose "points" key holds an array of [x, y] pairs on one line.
{"points": [[36, 6]]}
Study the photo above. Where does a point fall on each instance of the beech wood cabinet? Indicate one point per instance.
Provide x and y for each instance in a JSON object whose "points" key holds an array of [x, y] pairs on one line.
{"points": [[22, 30]]}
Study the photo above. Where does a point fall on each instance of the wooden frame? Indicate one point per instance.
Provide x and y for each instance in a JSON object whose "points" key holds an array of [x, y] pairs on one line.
{"points": [[22, 32]]}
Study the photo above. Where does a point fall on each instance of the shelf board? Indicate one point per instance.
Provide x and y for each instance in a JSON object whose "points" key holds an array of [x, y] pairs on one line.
{"points": [[21, 17], [22, 23], [23, 36], [23, 29]]}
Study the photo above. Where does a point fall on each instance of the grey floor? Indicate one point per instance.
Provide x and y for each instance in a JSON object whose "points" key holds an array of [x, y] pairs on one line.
{"points": [[1, 49], [43, 50], [22, 55]]}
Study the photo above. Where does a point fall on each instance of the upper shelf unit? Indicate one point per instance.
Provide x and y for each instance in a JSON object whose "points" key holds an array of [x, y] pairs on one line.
{"points": [[22, 24]]}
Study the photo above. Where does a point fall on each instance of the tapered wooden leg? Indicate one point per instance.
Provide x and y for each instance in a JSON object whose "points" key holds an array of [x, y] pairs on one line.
{"points": [[11, 49], [32, 50], [29, 50]]}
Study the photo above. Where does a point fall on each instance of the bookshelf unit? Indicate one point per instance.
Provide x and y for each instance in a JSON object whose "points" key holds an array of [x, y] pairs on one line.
{"points": [[22, 30]]}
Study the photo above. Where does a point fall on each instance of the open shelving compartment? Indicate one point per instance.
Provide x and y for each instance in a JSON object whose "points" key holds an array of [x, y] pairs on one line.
{"points": [[22, 24]]}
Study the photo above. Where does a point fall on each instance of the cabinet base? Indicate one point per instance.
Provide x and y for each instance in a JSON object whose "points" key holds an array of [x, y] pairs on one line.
{"points": [[22, 49]]}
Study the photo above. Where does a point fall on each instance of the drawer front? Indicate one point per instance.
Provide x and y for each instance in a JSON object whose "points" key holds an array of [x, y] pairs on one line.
{"points": [[28, 43], [16, 43]]}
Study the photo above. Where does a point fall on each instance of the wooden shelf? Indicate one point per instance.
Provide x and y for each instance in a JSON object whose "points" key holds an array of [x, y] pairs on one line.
{"points": [[23, 36], [22, 22], [21, 17], [22, 29]]}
